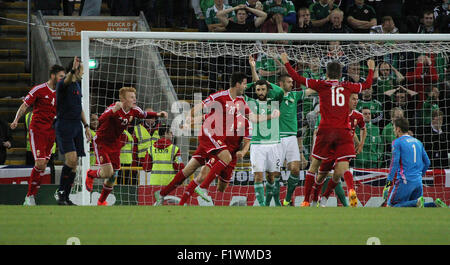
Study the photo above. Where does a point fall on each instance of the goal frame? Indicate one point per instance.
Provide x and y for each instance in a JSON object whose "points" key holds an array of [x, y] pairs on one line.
{"points": [[86, 36]]}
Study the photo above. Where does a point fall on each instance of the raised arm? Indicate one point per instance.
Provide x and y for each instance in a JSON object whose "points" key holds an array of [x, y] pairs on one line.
{"points": [[260, 15]]}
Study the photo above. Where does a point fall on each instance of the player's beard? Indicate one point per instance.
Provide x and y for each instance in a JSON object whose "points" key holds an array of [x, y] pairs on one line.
{"points": [[262, 97]]}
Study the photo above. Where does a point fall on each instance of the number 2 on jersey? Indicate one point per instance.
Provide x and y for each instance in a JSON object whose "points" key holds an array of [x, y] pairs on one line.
{"points": [[336, 97]]}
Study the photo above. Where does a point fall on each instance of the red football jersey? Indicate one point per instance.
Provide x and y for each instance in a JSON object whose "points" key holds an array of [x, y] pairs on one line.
{"points": [[356, 119], [43, 100], [224, 110], [334, 97], [111, 125], [243, 131]]}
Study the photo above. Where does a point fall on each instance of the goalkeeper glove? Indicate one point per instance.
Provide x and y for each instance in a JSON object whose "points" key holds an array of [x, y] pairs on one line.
{"points": [[386, 189]]}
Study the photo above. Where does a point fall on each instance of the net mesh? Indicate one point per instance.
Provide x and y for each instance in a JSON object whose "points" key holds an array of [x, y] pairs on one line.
{"points": [[171, 75]]}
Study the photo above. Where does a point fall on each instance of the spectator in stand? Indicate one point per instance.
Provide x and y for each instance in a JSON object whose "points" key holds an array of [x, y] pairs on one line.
{"points": [[385, 78], [387, 26], [422, 78], [335, 24], [275, 24], [361, 17], [436, 140], [212, 22], [335, 53], [427, 25], [241, 24], [401, 97], [388, 135], [284, 7], [304, 24], [354, 74], [320, 13], [375, 106], [442, 16], [430, 105], [372, 149], [5, 140]]}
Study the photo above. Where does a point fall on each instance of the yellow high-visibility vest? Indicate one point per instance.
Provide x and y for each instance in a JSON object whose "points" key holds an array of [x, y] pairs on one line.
{"points": [[126, 153], [28, 118], [162, 170], [144, 139], [91, 153]]}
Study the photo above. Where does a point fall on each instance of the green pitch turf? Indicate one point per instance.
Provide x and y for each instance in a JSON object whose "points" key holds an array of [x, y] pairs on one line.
{"points": [[222, 225]]}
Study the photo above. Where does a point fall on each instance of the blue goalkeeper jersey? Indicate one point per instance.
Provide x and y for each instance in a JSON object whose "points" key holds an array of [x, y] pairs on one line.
{"points": [[409, 159]]}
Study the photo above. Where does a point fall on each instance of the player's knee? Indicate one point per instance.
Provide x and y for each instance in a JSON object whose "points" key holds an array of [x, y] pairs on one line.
{"points": [[112, 179], [225, 156], [295, 171]]}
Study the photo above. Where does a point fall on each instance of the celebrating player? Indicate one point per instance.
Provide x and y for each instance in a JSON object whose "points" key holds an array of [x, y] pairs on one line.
{"points": [[107, 145], [42, 135], [356, 119], [334, 135]]}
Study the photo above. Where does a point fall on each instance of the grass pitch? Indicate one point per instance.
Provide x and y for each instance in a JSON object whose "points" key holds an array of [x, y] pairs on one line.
{"points": [[174, 225]]}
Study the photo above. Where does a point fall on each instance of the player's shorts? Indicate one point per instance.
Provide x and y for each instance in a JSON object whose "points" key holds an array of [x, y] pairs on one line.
{"points": [[207, 145], [403, 192], [227, 174], [334, 143], [41, 143], [69, 136], [289, 150], [265, 157], [106, 156]]}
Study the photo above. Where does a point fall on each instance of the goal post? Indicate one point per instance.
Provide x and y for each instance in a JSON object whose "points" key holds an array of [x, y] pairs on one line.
{"points": [[173, 70]]}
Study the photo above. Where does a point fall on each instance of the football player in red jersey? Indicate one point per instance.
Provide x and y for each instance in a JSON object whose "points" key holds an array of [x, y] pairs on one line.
{"points": [[334, 134], [42, 135], [114, 120]]}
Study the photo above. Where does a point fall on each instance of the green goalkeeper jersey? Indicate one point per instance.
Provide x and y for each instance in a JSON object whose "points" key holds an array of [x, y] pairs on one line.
{"points": [[288, 109]]}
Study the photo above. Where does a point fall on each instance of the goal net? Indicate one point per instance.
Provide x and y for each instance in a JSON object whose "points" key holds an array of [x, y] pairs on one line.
{"points": [[173, 71]]}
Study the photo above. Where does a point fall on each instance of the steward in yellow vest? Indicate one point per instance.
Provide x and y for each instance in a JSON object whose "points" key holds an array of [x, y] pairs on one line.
{"points": [[145, 133], [163, 158], [126, 176]]}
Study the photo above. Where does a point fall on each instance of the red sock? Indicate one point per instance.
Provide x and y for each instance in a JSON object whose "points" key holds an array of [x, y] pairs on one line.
{"points": [[105, 192], [93, 173], [348, 177], [34, 181], [216, 169], [309, 181], [177, 180], [188, 192], [330, 188], [317, 187]]}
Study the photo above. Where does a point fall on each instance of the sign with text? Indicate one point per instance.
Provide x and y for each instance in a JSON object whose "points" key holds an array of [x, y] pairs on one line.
{"points": [[71, 29]]}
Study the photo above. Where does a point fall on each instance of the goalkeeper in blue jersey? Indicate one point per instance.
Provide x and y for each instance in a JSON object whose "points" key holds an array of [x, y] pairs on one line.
{"points": [[409, 163]]}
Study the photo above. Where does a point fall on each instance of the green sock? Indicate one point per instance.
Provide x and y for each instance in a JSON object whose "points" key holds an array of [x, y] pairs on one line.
{"points": [[259, 192], [325, 184], [340, 193], [276, 192], [269, 193], [291, 185]]}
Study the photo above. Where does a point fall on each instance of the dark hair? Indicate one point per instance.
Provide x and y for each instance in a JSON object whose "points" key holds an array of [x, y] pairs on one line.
{"points": [[426, 12], [386, 18], [262, 82], [237, 77], [436, 113], [163, 129], [283, 77], [56, 68], [402, 123], [334, 70]]}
